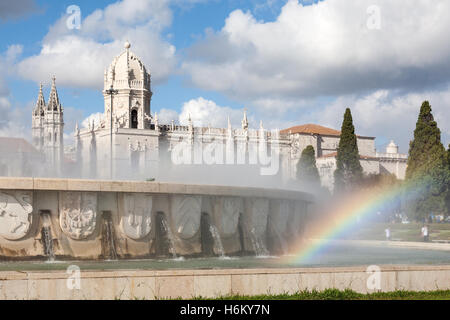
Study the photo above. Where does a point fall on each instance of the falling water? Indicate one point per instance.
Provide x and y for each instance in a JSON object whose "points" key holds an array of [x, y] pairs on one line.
{"points": [[108, 234], [284, 245], [258, 244], [218, 247], [46, 235], [281, 241], [170, 238]]}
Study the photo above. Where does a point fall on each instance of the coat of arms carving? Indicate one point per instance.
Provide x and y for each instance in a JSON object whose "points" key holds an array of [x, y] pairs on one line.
{"points": [[136, 215], [15, 214], [78, 213], [232, 207], [186, 211]]}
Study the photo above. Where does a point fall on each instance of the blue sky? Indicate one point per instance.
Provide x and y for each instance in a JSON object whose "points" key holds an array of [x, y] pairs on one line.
{"points": [[189, 24], [287, 62]]}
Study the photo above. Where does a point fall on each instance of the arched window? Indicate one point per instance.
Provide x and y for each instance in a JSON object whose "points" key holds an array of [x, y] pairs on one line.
{"points": [[134, 119]]}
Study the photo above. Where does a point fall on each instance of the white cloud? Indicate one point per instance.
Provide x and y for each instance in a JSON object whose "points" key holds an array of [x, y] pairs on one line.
{"points": [[387, 114], [205, 112], [95, 118], [165, 116], [13, 119], [325, 49], [7, 61], [78, 58]]}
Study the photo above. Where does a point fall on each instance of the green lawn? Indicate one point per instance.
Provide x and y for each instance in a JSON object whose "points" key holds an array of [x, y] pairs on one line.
{"points": [[399, 231], [334, 294]]}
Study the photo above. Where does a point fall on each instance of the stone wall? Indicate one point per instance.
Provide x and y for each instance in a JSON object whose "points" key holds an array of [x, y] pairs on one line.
{"points": [[138, 284]]}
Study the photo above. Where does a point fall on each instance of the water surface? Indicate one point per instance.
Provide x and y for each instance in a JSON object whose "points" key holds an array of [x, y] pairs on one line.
{"points": [[333, 256]]}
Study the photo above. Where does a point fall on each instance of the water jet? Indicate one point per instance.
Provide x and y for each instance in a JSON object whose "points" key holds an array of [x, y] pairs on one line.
{"points": [[46, 236], [108, 237]]}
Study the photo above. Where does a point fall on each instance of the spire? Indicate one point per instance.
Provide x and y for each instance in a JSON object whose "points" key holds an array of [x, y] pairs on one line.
{"points": [[261, 125], [40, 103], [53, 101], [245, 120], [77, 129], [190, 124], [156, 122], [230, 130]]}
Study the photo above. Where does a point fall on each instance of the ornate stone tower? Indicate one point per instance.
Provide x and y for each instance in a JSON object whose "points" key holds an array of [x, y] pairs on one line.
{"points": [[53, 130], [38, 119], [131, 105]]}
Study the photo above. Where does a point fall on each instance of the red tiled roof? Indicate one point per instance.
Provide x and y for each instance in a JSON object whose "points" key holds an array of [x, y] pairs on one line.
{"points": [[16, 145], [316, 129], [312, 129], [330, 155]]}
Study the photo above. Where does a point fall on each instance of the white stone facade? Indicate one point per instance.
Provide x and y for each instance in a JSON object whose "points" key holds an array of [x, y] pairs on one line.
{"points": [[129, 142], [48, 129]]}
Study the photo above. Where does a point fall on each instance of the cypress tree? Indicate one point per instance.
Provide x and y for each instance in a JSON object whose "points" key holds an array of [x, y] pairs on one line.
{"points": [[306, 167], [448, 157], [427, 169], [447, 197], [348, 171]]}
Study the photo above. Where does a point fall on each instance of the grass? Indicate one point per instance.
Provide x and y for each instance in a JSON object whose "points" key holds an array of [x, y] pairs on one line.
{"points": [[403, 232], [334, 294]]}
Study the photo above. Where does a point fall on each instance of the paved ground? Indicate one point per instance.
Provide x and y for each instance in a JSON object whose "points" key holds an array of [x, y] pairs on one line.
{"points": [[403, 232], [400, 244]]}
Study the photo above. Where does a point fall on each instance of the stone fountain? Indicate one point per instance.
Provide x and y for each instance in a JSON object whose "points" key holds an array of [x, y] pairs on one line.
{"points": [[92, 219]]}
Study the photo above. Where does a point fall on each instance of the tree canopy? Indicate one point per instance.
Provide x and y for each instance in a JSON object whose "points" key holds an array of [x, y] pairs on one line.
{"points": [[428, 170], [349, 172], [306, 167]]}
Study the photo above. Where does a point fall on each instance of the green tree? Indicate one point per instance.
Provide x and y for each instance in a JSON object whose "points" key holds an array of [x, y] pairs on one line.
{"points": [[427, 171], [306, 167], [447, 198], [448, 157], [349, 172]]}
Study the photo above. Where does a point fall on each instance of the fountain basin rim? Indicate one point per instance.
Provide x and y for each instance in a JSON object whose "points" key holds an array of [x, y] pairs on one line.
{"points": [[137, 273], [88, 185]]}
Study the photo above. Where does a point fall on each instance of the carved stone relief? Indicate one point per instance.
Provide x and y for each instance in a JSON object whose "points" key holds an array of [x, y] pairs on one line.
{"points": [[295, 149], [15, 214], [186, 211], [232, 207], [136, 215], [78, 212]]}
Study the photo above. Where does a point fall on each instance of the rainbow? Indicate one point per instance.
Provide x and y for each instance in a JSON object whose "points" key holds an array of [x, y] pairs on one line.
{"points": [[345, 215]]}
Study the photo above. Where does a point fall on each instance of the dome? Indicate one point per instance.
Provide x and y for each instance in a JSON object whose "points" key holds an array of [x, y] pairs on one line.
{"points": [[392, 148], [127, 71]]}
